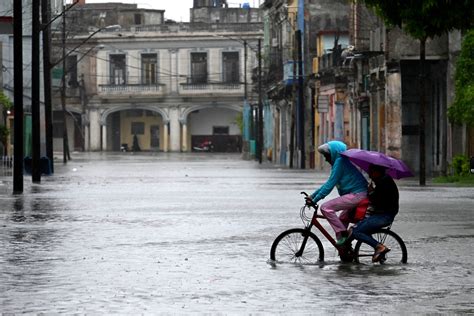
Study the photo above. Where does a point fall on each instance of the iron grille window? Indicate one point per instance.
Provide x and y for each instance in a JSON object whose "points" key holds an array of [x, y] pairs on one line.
{"points": [[117, 70], [71, 71], [220, 130], [198, 67], [149, 69], [230, 67], [138, 128]]}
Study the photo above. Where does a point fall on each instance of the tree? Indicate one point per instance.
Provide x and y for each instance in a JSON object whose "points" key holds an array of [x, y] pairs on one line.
{"points": [[462, 109], [4, 131], [423, 19], [5, 102]]}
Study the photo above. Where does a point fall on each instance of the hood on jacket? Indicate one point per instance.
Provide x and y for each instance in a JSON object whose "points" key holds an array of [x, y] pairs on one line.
{"points": [[335, 148]]}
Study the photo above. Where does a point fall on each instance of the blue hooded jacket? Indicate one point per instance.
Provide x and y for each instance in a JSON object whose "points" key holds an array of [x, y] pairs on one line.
{"points": [[344, 175]]}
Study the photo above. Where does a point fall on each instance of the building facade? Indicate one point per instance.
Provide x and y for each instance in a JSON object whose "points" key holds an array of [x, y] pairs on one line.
{"points": [[360, 84], [159, 86]]}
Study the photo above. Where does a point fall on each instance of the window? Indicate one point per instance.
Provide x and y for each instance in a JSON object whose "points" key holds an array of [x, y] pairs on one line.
{"points": [[58, 130], [198, 67], [117, 70], [149, 68], [230, 67], [138, 128], [220, 130], [138, 19], [58, 124], [71, 71]]}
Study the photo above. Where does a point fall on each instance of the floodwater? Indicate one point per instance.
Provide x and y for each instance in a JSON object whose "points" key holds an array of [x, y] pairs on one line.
{"points": [[191, 233]]}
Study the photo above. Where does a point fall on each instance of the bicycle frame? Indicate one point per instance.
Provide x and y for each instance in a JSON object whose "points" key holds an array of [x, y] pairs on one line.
{"points": [[343, 250]]}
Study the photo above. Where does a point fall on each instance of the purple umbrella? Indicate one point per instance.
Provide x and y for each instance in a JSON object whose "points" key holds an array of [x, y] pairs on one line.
{"points": [[397, 169]]}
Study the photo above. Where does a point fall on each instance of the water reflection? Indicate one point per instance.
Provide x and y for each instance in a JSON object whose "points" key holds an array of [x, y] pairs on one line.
{"points": [[30, 239], [134, 235]]}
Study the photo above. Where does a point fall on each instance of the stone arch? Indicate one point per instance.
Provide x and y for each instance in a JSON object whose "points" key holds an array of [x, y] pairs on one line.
{"points": [[106, 113], [184, 114], [193, 136]]}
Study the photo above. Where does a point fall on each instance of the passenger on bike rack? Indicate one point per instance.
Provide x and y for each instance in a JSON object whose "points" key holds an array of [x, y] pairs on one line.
{"points": [[350, 183], [383, 197]]}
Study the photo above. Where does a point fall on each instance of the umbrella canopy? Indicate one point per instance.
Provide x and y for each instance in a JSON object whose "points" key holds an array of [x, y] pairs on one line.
{"points": [[397, 169]]}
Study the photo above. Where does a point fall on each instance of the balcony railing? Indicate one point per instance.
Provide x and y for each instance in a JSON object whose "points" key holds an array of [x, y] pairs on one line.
{"points": [[131, 88], [221, 86]]}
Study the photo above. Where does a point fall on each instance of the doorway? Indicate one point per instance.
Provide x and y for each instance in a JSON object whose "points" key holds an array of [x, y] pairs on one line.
{"points": [[154, 137]]}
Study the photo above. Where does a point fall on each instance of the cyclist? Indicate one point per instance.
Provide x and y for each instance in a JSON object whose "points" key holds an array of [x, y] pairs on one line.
{"points": [[383, 206], [350, 183]]}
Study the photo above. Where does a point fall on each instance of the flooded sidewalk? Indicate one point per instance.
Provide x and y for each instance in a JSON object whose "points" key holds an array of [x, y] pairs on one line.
{"points": [[191, 233]]}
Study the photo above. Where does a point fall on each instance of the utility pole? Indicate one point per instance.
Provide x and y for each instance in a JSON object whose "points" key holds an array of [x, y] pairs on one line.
{"points": [[45, 16], [245, 71], [35, 93], [301, 104], [260, 105], [66, 154], [18, 97], [422, 115], [293, 105]]}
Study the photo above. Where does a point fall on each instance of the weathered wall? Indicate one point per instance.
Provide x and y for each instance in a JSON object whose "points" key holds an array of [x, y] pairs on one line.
{"points": [[225, 15], [393, 115], [402, 46], [455, 133], [326, 15]]}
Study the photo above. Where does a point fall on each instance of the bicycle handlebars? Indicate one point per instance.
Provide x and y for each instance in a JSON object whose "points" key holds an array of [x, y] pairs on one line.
{"points": [[309, 202]]}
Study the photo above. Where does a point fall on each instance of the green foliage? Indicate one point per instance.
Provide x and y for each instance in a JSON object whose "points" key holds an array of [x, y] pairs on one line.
{"points": [[4, 133], [461, 165], [462, 109], [456, 180], [460, 173], [425, 18], [239, 121], [5, 102]]}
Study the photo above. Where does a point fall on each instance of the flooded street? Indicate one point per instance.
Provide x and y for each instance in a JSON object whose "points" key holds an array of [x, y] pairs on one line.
{"points": [[182, 233]]}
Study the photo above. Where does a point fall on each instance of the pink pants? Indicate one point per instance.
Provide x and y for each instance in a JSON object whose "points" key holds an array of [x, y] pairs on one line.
{"points": [[343, 203]]}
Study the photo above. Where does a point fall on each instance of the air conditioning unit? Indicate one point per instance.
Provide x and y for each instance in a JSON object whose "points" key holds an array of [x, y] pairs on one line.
{"points": [[274, 42]]}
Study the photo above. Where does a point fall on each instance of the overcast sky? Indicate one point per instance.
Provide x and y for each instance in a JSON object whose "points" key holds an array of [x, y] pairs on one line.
{"points": [[177, 10]]}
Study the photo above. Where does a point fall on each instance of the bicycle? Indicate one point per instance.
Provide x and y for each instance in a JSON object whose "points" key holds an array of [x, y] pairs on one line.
{"points": [[300, 245]]}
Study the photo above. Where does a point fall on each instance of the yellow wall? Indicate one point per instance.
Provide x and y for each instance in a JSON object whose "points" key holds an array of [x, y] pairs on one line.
{"points": [[126, 136]]}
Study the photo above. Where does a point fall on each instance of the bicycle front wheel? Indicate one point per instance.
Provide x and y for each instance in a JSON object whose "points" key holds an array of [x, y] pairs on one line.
{"points": [[288, 247], [398, 253]]}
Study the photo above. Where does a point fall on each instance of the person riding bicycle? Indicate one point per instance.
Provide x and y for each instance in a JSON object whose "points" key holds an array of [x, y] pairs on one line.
{"points": [[383, 207], [350, 183]]}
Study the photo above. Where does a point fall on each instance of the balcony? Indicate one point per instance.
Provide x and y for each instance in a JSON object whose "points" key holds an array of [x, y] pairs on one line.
{"points": [[218, 87], [125, 89]]}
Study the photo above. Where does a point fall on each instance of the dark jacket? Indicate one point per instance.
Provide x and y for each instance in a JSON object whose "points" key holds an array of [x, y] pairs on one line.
{"points": [[384, 198]]}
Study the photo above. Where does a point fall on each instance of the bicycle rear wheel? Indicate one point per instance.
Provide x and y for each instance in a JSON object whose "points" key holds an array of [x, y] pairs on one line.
{"points": [[287, 247], [398, 253]]}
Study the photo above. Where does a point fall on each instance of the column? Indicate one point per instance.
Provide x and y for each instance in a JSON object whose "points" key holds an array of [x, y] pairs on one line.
{"points": [[87, 144], [393, 114], [104, 137], [184, 145], [173, 70], [94, 130], [175, 130], [165, 137]]}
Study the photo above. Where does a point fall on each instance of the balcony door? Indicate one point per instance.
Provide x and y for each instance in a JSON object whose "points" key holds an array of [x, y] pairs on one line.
{"points": [[149, 69], [199, 68], [230, 67], [117, 70]]}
